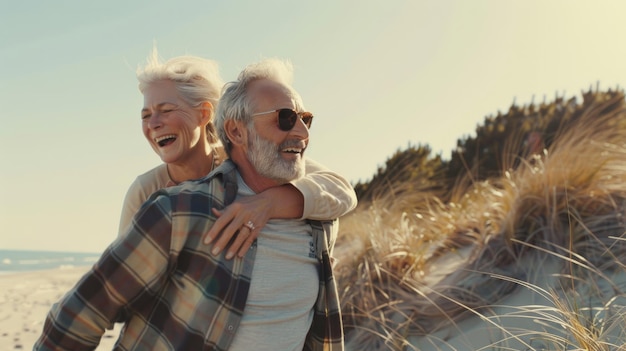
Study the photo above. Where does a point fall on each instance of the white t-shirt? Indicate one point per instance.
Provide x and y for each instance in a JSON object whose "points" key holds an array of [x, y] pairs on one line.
{"points": [[284, 287]]}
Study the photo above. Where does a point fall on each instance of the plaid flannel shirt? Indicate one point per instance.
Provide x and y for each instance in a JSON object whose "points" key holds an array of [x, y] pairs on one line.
{"points": [[171, 293]]}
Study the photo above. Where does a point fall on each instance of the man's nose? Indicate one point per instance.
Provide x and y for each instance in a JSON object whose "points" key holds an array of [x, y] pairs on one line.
{"points": [[300, 129]]}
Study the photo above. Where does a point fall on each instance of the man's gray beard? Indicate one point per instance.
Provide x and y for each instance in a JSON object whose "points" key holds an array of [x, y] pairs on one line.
{"points": [[266, 158]]}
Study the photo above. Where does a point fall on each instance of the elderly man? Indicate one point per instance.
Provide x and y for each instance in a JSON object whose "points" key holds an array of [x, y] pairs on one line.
{"points": [[167, 287]]}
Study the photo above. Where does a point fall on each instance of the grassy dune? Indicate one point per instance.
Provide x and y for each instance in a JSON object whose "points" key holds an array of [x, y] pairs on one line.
{"points": [[532, 260]]}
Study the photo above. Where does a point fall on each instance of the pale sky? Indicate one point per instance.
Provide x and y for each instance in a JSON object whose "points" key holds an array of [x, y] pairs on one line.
{"points": [[378, 75]]}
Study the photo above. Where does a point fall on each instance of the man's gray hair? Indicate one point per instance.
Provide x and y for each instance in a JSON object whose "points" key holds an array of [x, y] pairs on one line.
{"points": [[236, 103]]}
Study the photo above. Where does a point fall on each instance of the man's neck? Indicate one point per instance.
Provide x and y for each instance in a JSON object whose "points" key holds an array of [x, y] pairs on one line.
{"points": [[254, 180], [250, 176]]}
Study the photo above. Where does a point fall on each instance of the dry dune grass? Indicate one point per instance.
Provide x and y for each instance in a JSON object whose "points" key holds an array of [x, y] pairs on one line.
{"points": [[552, 228]]}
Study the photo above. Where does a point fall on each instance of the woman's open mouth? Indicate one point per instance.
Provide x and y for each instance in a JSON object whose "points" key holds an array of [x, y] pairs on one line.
{"points": [[165, 140]]}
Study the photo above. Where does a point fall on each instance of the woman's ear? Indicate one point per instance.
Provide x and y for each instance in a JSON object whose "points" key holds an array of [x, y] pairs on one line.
{"points": [[236, 132], [206, 110]]}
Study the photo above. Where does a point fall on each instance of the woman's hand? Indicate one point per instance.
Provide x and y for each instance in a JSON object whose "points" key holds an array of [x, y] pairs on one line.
{"points": [[245, 218], [248, 215]]}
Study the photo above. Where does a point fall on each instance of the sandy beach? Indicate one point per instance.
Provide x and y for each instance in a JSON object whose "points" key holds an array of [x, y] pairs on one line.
{"points": [[516, 323], [26, 298]]}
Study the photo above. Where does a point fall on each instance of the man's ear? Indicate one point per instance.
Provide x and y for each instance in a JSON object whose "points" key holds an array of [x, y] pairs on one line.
{"points": [[236, 131]]}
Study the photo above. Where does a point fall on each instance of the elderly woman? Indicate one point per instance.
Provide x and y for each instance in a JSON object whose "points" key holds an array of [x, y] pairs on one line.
{"points": [[180, 97]]}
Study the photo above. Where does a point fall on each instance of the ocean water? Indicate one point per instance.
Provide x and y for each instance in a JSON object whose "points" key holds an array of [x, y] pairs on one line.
{"points": [[13, 261]]}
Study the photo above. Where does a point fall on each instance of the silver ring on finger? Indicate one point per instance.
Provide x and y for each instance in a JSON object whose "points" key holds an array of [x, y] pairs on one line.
{"points": [[249, 225]]}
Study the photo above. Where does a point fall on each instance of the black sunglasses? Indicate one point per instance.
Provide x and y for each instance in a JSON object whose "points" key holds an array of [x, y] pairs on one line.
{"points": [[287, 118]]}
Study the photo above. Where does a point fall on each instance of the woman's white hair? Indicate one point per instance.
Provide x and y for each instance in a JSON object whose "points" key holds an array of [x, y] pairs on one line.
{"points": [[197, 80]]}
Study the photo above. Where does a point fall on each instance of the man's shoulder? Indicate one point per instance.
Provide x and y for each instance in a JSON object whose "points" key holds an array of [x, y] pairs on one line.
{"points": [[323, 224], [212, 185]]}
